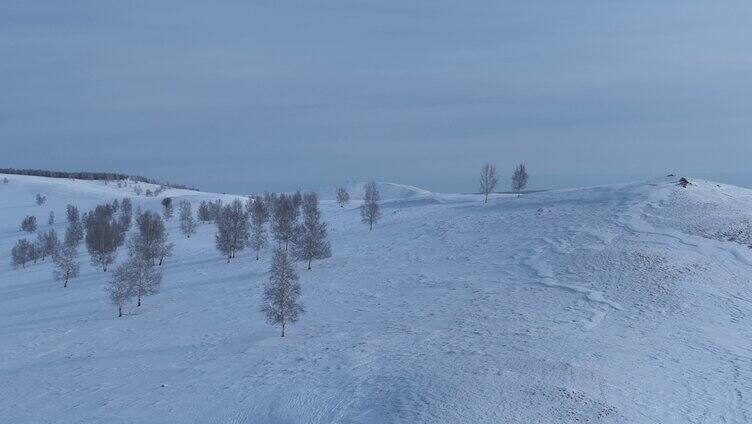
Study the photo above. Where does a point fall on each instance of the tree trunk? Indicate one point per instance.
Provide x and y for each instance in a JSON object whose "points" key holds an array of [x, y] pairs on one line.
{"points": [[283, 329], [309, 263], [120, 311], [371, 229], [486, 200], [65, 284], [139, 299]]}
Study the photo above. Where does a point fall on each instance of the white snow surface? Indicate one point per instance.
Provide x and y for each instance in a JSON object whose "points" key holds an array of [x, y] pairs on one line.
{"points": [[613, 304]]}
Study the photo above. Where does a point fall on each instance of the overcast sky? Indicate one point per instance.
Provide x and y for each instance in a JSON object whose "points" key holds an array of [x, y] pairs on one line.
{"points": [[251, 95]]}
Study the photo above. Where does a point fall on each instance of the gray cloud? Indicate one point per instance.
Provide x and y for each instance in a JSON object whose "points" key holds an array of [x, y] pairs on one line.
{"points": [[243, 96]]}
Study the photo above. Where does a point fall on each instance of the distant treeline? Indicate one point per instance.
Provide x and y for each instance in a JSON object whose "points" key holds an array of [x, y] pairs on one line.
{"points": [[102, 176]]}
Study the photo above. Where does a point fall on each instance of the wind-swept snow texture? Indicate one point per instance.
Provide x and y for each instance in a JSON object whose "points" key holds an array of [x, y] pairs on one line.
{"points": [[614, 304]]}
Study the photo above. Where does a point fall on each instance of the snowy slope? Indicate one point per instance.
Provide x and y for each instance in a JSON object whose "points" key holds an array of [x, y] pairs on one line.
{"points": [[613, 304]]}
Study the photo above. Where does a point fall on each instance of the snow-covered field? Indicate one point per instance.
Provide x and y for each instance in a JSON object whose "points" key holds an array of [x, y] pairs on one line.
{"points": [[613, 304]]}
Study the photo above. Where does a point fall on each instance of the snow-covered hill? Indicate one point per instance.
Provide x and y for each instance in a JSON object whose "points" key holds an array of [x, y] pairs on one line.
{"points": [[613, 304]]}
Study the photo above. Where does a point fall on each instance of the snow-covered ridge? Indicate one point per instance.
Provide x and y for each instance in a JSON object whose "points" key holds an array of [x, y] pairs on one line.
{"points": [[388, 191], [613, 304]]}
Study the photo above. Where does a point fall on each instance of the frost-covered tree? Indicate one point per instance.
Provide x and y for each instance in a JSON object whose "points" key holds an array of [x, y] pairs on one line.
{"points": [[119, 289], [297, 202], [310, 240], [103, 235], [35, 247], [232, 229], [283, 224], [370, 212], [51, 218], [47, 244], [22, 253], [204, 215], [29, 224], [519, 178], [40, 200], [143, 278], [259, 215], [270, 199], [187, 222], [343, 197], [5, 180], [71, 214], [167, 208], [213, 210], [126, 215], [74, 233], [66, 266], [488, 180], [282, 303], [151, 243]]}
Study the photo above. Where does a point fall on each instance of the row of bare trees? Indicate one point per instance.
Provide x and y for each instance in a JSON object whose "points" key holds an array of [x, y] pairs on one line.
{"points": [[489, 178], [294, 221]]}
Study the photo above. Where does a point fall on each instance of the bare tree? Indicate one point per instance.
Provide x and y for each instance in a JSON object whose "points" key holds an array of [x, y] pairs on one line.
{"points": [[297, 202], [22, 253], [150, 244], [343, 197], [74, 233], [232, 229], [211, 211], [370, 212], [51, 218], [40, 200], [259, 214], [29, 224], [283, 226], [310, 236], [71, 214], [282, 303], [120, 290], [519, 178], [271, 201], [203, 212], [143, 278], [187, 222], [37, 251], [66, 266], [126, 215], [167, 209], [103, 235], [47, 244], [488, 180]]}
